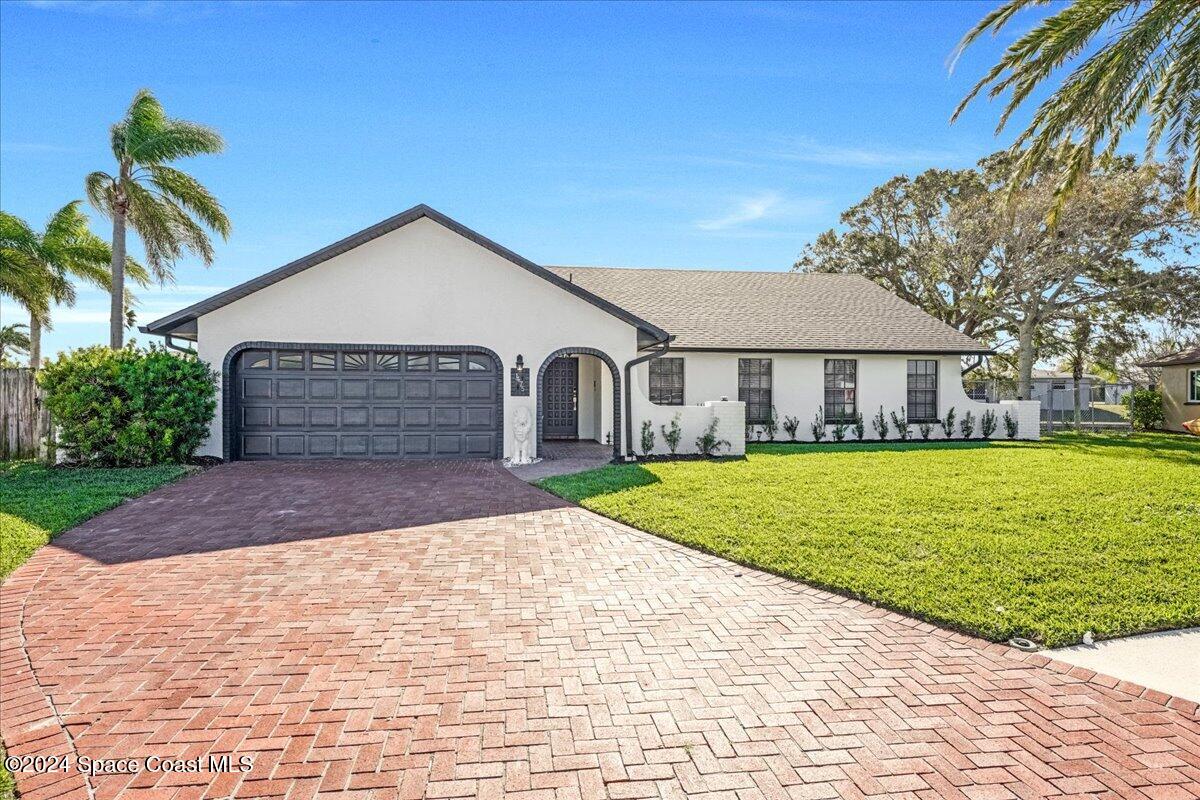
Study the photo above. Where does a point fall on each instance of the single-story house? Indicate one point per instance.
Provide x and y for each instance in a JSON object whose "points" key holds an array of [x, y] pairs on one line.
{"points": [[1180, 387], [420, 338]]}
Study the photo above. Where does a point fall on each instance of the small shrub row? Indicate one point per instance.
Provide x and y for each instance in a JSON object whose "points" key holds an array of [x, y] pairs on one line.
{"points": [[708, 443], [884, 423]]}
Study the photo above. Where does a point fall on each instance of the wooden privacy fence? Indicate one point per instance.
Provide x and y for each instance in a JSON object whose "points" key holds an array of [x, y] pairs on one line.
{"points": [[24, 421]]}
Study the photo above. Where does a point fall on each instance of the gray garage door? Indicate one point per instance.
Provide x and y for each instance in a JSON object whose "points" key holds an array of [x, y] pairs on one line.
{"points": [[366, 403]]}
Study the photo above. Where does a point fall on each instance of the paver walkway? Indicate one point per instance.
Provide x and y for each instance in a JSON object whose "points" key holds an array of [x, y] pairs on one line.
{"points": [[445, 630]]}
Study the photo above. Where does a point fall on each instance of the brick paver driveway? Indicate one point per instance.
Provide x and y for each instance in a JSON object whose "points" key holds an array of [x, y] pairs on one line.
{"points": [[445, 630]]}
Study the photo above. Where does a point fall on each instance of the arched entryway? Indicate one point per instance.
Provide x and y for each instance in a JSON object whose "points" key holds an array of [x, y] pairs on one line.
{"points": [[616, 393]]}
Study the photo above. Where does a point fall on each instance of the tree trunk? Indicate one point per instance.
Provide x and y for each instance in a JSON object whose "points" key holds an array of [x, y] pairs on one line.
{"points": [[35, 341], [116, 321], [1024, 361]]}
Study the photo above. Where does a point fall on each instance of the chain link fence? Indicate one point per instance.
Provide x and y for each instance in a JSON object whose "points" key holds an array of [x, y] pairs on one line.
{"points": [[1093, 405]]}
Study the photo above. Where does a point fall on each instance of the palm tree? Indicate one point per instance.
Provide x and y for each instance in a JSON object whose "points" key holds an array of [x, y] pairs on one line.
{"points": [[1148, 63], [14, 339], [38, 267], [166, 207]]}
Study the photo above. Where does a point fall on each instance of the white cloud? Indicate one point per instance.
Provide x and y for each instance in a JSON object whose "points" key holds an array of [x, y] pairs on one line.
{"points": [[767, 206], [807, 150], [746, 210]]}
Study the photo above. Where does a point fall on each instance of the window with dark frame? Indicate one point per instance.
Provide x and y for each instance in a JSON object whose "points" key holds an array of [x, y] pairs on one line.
{"points": [[841, 390], [666, 381], [922, 390], [754, 388]]}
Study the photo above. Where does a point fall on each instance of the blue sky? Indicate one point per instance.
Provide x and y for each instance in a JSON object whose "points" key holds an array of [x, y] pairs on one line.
{"points": [[697, 135]]}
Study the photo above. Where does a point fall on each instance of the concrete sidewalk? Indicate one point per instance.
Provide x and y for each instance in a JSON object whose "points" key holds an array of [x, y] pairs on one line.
{"points": [[1168, 661]]}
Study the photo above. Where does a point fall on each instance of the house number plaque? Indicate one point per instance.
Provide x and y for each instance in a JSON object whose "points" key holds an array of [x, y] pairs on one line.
{"points": [[520, 381]]}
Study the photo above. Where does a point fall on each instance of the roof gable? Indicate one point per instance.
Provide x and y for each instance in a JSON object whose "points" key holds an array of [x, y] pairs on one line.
{"points": [[184, 321]]}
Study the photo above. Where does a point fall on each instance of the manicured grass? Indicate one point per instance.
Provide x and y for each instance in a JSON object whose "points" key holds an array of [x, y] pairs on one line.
{"points": [[1045, 540], [37, 503]]}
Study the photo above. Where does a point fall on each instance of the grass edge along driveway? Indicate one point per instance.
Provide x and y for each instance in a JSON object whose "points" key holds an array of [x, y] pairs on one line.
{"points": [[37, 502], [1046, 540]]}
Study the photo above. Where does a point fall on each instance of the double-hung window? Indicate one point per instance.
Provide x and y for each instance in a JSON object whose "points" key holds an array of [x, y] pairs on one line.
{"points": [[1193, 395], [666, 381], [841, 390], [922, 390], [754, 388]]}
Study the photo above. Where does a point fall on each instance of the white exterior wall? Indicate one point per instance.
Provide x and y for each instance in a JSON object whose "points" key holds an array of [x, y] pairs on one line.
{"points": [[421, 284], [595, 399], [798, 389]]}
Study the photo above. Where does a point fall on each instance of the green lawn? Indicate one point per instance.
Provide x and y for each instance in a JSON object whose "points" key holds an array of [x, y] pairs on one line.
{"points": [[37, 503], [1045, 540]]}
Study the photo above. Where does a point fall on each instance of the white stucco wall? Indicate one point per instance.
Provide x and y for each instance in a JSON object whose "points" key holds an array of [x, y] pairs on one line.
{"points": [[798, 389], [595, 399], [421, 284]]}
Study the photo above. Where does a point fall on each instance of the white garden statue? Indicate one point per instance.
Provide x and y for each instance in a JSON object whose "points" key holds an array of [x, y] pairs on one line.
{"points": [[522, 427]]}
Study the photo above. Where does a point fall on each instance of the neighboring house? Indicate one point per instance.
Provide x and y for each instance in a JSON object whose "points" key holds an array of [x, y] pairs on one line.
{"points": [[1180, 387], [419, 338]]}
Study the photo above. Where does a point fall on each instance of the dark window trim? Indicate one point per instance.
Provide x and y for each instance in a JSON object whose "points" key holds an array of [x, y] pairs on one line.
{"points": [[665, 396], [845, 417], [937, 393], [764, 407]]}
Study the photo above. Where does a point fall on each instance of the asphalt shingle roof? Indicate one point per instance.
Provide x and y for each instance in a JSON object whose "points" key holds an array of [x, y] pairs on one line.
{"points": [[737, 310], [1184, 357]]}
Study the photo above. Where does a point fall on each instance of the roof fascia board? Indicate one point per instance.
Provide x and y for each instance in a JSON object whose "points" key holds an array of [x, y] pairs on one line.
{"points": [[839, 350]]}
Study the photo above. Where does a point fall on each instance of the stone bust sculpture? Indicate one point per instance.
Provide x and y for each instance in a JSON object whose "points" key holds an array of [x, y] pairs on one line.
{"points": [[522, 427]]}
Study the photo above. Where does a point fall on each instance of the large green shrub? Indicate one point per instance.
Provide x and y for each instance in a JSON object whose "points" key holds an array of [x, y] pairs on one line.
{"points": [[1145, 409], [129, 407]]}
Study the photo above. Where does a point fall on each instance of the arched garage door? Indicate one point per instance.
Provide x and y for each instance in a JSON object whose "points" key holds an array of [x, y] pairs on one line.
{"points": [[382, 403]]}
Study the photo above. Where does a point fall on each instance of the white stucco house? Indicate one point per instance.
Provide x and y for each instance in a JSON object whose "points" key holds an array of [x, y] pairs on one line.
{"points": [[419, 338]]}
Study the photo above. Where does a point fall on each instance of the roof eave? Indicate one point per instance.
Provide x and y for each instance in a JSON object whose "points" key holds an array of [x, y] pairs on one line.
{"points": [[925, 351]]}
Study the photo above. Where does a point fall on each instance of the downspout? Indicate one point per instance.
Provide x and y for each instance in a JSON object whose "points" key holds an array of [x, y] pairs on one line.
{"points": [[660, 351]]}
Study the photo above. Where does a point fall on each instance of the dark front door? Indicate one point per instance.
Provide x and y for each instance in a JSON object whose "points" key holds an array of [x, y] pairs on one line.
{"points": [[562, 399]]}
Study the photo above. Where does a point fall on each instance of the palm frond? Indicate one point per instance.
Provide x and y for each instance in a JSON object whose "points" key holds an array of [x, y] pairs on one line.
{"points": [[177, 139], [1147, 66], [12, 337], [151, 217], [98, 186], [15, 233], [191, 195]]}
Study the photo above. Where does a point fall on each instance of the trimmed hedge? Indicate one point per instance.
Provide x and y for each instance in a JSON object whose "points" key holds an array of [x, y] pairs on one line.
{"points": [[129, 407]]}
